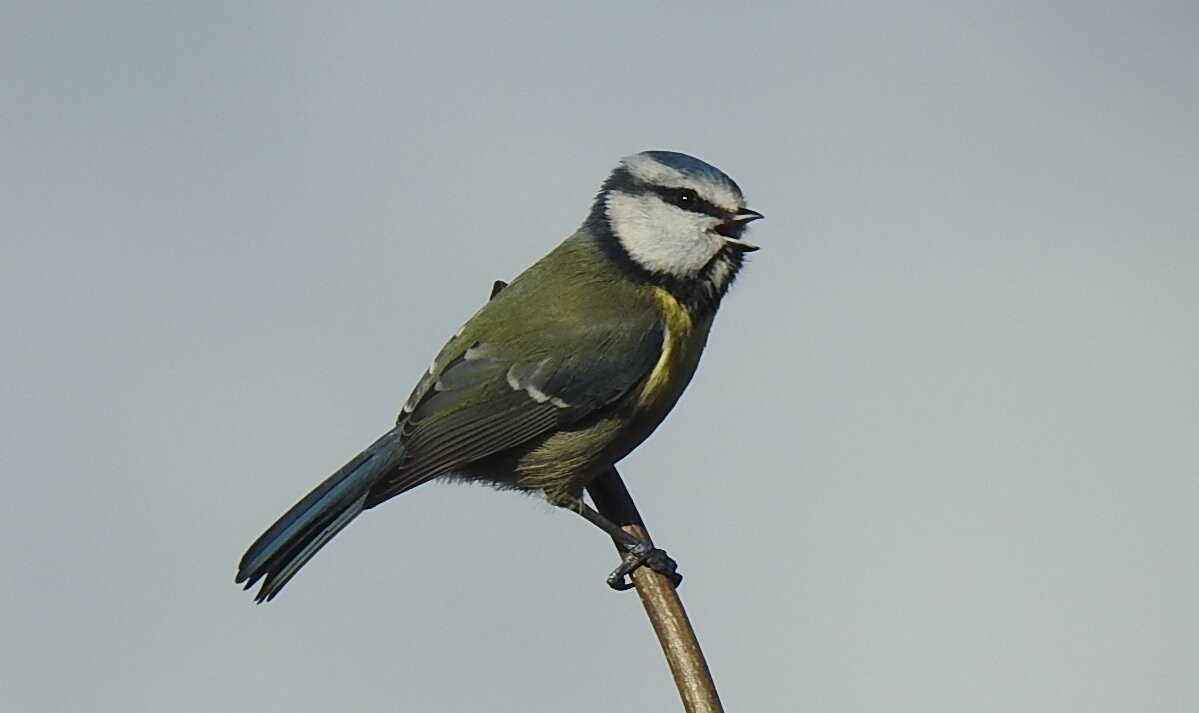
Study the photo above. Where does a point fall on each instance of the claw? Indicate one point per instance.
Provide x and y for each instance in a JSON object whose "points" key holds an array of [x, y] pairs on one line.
{"points": [[639, 553]]}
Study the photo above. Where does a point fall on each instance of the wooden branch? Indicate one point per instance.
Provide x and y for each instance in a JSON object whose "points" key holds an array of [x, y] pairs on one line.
{"points": [[661, 602]]}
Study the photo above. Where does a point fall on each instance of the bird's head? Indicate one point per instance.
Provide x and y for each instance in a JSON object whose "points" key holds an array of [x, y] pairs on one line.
{"points": [[677, 219]]}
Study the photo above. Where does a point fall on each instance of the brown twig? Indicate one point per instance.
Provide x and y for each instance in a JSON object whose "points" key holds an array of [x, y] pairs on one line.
{"points": [[661, 602]]}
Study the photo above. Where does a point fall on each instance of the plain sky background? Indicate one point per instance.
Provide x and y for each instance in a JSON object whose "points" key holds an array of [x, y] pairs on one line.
{"points": [[941, 455]]}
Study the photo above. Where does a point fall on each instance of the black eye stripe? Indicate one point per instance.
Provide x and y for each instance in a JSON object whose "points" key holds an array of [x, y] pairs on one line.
{"points": [[622, 181], [695, 204]]}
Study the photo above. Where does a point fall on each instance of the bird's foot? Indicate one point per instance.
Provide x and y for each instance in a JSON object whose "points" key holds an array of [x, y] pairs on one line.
{"points": [[639, 553], [635, 551]]}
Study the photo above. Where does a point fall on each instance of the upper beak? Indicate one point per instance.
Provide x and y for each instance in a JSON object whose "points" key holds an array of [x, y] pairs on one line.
{"points": [[745, 215], [736, 225]]}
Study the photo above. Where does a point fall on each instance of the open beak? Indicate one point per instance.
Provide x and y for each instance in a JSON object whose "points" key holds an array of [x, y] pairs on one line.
{"points": [[735, 226]]}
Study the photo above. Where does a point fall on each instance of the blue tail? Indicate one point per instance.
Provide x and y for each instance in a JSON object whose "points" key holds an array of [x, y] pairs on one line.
{"points": [[283, 549]]}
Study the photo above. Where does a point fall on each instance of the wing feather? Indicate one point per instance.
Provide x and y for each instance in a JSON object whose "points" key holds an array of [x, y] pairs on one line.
{"points": [[483, 402]]}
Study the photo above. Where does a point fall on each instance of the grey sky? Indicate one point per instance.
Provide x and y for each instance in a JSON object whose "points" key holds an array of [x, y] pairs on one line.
{"points": [[941, 454]]}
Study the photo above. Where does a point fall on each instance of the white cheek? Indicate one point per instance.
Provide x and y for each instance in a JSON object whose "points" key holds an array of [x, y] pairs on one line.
{"points": [[660, 237]]}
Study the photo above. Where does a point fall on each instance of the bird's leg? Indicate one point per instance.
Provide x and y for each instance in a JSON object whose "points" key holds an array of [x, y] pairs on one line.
{"points": [[637, 551]]}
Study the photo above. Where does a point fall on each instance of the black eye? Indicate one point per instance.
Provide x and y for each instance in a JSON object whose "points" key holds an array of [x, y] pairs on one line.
{"points": [[685, 198]]}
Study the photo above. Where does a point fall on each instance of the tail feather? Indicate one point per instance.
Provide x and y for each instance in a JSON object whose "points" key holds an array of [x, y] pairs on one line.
{"points": [[304, 529]]}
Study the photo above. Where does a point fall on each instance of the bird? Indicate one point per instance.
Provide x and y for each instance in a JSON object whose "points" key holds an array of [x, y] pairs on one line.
{"points": [[562, 373]]}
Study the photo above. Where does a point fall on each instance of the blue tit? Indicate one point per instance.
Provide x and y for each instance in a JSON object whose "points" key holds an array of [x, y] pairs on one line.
{"points": [[562, 373]]}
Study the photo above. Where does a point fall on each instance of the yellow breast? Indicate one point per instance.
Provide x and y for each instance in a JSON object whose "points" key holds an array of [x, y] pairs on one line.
{"points": [[682, 343]]}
